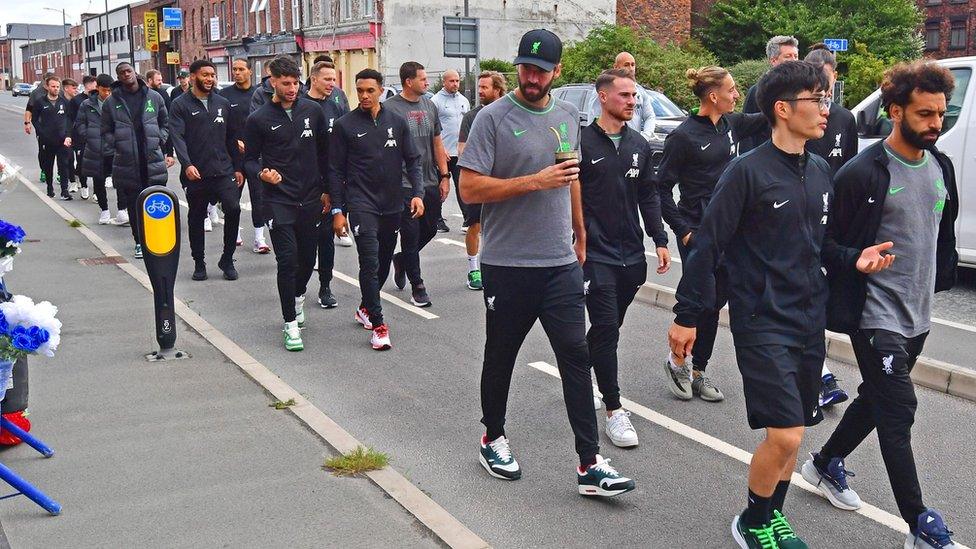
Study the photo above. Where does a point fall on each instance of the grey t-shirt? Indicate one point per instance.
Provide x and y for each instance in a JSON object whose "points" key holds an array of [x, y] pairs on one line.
{"points": [[899, 299], [509, 139], [424, 124]]}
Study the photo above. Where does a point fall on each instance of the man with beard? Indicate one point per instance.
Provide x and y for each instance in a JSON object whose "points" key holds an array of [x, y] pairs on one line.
{"points": [[519, 163], [49, 119], [239, 96], [491, 87], [903, 190], [210, 162], [322, 89], [644, 117], [286, 146]]}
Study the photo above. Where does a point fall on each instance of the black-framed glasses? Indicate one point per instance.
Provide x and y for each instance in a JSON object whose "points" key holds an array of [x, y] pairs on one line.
{"points": [[823, 102]]}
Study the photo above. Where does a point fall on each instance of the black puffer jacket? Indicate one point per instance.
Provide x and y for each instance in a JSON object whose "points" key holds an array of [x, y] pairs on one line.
{"points": [[88, 128], [135, 165]]}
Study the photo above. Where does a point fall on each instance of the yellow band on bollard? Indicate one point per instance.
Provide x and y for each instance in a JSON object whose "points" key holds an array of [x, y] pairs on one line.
{"points": [[159, 223]]}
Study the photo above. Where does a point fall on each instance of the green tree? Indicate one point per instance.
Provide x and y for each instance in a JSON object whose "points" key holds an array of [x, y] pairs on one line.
{"points": [[864, 74], [747, 73], [583, 61], [504, 67]]}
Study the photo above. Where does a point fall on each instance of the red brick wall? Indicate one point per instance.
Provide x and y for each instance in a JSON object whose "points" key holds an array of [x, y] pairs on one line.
{"points": [[699, 10], [663, 20], [944, 13]]}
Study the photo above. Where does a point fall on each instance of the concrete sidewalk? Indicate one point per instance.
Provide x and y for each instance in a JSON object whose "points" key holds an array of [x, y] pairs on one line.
{"points": [[181, 454]]}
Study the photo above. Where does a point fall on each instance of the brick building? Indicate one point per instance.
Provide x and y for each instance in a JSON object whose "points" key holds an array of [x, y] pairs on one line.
{"points": [[42, 57], [949, 27], [663, 20]]}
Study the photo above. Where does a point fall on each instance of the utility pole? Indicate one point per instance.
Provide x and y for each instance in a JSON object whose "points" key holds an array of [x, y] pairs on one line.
{"points": [[64, 29]]}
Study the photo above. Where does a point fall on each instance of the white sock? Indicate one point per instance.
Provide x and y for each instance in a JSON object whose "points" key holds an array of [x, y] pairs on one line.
{"points": [[259, 233], [238, 233], [299, 303], [825, 371], [473, 263]]}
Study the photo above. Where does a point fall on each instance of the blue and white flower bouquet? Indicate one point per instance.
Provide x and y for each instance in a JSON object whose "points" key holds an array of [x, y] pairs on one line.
{"points": [[11, 237], [26, 328]]}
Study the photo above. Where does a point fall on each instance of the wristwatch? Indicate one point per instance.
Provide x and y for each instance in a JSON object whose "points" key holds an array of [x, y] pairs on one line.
{"points": [[335, 211]]}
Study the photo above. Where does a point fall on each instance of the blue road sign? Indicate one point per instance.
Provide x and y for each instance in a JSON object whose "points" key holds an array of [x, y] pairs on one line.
{"points": [[173, 18], [836, 44]]}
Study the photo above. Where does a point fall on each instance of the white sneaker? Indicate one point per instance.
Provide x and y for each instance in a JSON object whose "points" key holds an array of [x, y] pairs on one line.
{"points": [[108, 182], [207, 224], [122, 217], [621, 430], [240, 241], [85, 193], [362, 317], [380, 340], [597, 402], [105, 218], [73, 187], [212, 214], [300, 311], [344, 241], [260, 246]]}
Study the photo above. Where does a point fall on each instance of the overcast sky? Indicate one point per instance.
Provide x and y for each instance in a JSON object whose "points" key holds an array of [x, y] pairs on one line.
{"points": [[32, 11]]}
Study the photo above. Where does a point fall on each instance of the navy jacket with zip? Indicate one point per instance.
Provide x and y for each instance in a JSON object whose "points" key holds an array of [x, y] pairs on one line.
{"points": [[136, 164], [769, 217], [861, 187], [201, 137], [616, 183], [51, 120], [88, 127], [367, 157], [74, 107], [297, 147], [695, 155], [240, 108]]}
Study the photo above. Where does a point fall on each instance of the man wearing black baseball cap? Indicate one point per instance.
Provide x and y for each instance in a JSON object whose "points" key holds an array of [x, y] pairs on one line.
{"points": [[521, 162]]}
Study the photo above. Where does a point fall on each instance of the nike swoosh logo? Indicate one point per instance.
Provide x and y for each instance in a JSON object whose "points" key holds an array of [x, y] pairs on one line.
{"points": [[361, 134], [194, 113], [870, 200], [896, 190], [778, 205], [597, 160], [706, 146], [518, 133], [273, 128], [234, 104]]}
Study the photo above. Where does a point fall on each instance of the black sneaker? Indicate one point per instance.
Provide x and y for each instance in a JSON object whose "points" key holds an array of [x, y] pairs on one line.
{"points": [[442, 226], [419, 296], [50, 188], [227, 265], [66, 196], [200, 271], [399, 275], [326, 299]]}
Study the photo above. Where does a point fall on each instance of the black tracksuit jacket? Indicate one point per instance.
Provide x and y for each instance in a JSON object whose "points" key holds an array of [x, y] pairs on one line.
{"points": [[240, 108], [367, 159], [51, 120], [769, 218], [74, 107], [331, 108], [201, 136], [615, 185], [839, 143], [296, 147], [860, 188], [751, 106], [695, 155]]}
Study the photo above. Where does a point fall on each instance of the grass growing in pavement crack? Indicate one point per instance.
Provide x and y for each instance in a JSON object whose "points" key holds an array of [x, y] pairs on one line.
{"points": [[74, 223], [282, 404], [356, 462]]}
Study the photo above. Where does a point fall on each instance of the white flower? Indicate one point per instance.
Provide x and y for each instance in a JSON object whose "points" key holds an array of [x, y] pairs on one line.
{"points": [[22, 311], [6, 265]]}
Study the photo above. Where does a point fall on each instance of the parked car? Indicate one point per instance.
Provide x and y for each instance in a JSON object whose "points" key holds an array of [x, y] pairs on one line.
{"points": [[21, 88], [668, 115], [958, 127]]}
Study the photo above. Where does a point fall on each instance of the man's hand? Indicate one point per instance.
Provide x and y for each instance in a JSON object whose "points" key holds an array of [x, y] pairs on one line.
{"points": [[681, 340], [239, 179], [240, 146], [663, 260], [67, 142], [579, 246], [192, 173], [445, 188], [27, 129], [416, 207], [270, 176], [170, 161], [558, 175], [872, 261], [686, 238], [339, 224], [326, 203]]}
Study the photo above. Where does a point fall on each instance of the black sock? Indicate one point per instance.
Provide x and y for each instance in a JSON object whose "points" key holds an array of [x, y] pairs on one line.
{"points": [[821, 460], [779, 496], [757, 513], [493, 434], [586, 462]]}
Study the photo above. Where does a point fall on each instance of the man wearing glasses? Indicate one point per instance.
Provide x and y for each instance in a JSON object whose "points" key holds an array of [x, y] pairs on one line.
{"points": [[773, 204]]}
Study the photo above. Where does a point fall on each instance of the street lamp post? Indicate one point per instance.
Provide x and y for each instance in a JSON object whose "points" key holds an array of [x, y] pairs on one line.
{"points": [[64, 30]]}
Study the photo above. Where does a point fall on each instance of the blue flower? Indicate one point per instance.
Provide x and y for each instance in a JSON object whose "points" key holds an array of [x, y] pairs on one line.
{"points": [[11, 233], [20, 339], [38, 335]]}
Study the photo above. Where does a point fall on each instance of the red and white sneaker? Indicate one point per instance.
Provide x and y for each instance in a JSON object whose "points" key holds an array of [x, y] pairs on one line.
{"points": [[362, 317], [261, 247], [381, 338]]}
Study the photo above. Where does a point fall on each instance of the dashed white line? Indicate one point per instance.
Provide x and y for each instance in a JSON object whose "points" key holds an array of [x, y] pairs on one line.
{"points": [[392, 299]]}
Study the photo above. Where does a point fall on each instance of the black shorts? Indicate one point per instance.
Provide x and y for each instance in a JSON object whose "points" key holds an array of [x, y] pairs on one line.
{"points": [[471, 214], [782, 383]]}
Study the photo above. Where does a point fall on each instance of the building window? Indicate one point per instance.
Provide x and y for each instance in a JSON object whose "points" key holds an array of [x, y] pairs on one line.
{"points": [[369, 8], [267, 16], [295, 19], [346, 9], [932, 36], [957, 35], [204, 29], [281, 15], [122, 33]]}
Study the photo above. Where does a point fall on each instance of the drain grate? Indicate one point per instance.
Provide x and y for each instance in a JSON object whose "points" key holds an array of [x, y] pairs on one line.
{"points": [[103, 260]]}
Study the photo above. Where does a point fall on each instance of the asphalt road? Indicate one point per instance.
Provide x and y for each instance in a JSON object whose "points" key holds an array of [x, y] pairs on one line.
{"points": [[419, 402]]}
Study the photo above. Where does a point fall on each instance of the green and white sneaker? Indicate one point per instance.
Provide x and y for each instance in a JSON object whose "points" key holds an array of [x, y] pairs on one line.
{"points": [[496, 457], [474, 280], [753, 538], [300, 311], [600, 479], [785, 536], [138, 252], [293, 336]]}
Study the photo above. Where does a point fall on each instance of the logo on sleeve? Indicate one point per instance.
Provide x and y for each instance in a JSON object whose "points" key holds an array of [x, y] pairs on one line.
{"points": [[390, 142], [307, 132], [220, 116], [836, 151]]}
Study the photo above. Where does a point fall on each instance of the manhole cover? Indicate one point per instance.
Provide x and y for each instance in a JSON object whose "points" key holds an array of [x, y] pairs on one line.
{"points": [[104, 260]]}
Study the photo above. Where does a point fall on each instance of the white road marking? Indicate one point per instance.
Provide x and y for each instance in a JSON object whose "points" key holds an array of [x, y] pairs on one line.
{"points": [[392, 299], [722, 447], [451, 242]]}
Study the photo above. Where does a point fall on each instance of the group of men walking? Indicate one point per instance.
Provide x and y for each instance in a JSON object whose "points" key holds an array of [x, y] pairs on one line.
{"points": [[798, 235]]}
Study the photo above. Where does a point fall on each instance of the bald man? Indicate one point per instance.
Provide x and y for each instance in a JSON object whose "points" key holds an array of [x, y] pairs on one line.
{"points": [[451, 108], [644, 117]]}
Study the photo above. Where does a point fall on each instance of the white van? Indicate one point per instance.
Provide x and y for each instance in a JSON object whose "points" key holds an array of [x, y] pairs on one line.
{"points": [[959, 126]]}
